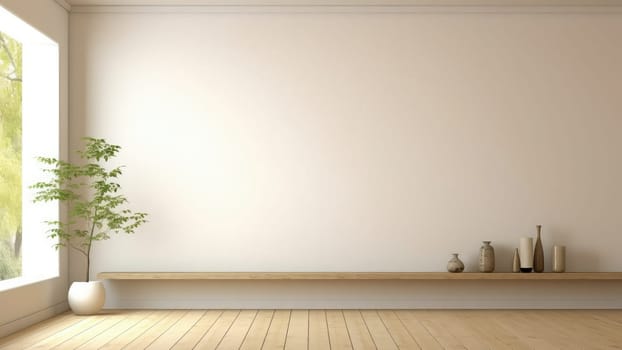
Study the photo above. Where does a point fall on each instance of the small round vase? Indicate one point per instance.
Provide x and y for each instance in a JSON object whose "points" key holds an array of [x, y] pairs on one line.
{"points": [[86, 298], [455, 264], [486, 258]]}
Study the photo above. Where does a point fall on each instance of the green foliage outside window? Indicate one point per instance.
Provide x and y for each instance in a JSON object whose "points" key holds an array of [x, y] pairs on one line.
{"points": [[10, 157]]}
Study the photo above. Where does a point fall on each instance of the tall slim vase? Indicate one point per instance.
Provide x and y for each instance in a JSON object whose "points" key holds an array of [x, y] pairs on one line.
{"points": [[538, 254]]}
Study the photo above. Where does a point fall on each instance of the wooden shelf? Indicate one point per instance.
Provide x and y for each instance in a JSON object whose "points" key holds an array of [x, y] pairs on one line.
{"points": [[576, 276]]}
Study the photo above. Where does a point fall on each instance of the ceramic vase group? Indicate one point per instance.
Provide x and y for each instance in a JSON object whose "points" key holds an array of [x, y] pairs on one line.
{"points": [[527, 258]]}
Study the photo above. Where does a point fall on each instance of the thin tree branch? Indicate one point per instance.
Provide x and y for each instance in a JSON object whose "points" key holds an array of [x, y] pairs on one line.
{"points": [[78, 249], [7, 77], [88, 254], [8, 53]]}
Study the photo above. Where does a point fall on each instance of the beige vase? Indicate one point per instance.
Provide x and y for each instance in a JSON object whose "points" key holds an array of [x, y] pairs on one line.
{"points": [[559, 258], [516, 261], [486, 258], [86, 298]]}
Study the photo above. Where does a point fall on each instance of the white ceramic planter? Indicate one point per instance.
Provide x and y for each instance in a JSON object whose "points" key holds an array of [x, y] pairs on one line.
{"points": [[86, 298]]}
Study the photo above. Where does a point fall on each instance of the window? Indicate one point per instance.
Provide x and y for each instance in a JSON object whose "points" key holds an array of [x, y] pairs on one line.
{"points": [[10, 157], [29, 127]]}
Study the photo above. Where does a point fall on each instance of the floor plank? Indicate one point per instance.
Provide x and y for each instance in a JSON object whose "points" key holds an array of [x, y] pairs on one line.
{"points": [[133, 317], [456, 325], [198, 330], [337, 330], [136, 330], [530, 332], [298, 330], [359, 334], [485, 327], [257, 332], [398, 332], [40, 331], [431, 320], [170, 337], [318, 330], [237, 332], [68, 333], [277, 333], [419, 333], [382, 337], [153, 333], [79, 339], [212, 338]]}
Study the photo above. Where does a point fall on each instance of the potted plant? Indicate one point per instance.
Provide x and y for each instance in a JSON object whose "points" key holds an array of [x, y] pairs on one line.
{"points": [[96, 209]]}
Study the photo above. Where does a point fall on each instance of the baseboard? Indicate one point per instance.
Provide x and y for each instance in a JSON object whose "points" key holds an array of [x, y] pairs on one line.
{"points": [[33, 318]]}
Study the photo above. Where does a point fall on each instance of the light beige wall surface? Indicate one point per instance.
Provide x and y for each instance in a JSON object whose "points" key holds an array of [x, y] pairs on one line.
{"points": [[355, 141], [25, 305]]}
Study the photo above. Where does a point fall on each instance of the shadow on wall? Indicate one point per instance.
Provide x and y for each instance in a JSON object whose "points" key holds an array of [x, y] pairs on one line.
{"points": [[363, 294]]}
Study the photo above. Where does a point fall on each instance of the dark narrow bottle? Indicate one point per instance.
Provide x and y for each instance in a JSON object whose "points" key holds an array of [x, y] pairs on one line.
{"points": [[538, 254]]}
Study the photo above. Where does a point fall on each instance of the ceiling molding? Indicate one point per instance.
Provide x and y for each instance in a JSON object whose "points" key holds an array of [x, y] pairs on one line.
{"points": [[383, 3], [64, 4], [401, 9]]}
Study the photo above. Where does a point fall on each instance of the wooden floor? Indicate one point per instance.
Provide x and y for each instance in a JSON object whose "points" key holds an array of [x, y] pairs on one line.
{"points": [[330, 329]]}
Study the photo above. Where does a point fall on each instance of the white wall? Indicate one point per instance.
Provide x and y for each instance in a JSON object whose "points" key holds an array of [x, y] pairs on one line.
{"points": [[350, 140], [26, 305]]}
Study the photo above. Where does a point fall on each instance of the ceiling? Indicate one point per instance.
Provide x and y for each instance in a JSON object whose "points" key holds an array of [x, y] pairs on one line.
{"points": [[344, 2]]}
